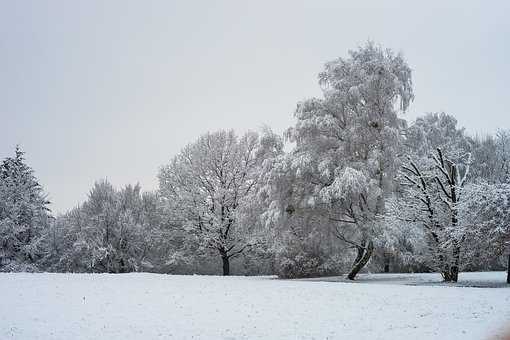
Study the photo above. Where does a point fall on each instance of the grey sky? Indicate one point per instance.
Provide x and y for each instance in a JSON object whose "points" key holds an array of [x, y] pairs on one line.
{"points": [[95, 89]]}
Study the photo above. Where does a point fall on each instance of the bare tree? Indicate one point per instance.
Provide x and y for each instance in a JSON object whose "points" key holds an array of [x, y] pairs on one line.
{"points": [[207, 183], [431, 201]]}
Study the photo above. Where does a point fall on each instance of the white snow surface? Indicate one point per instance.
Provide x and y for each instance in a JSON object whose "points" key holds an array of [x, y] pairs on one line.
{"points": [[155, 306]]}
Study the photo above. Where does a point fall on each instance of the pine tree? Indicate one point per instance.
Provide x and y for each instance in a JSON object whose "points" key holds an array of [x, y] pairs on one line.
{"points": [[24, 215]]}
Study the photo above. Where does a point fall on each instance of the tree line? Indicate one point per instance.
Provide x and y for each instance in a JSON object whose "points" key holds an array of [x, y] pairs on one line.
{"points": [[351, 186]]}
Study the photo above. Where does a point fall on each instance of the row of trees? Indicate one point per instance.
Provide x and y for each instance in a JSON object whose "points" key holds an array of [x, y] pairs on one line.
{"points": [[359, 186]]}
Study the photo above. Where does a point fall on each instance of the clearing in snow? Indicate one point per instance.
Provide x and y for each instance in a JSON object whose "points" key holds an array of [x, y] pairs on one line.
{"points": [[156, 306]]}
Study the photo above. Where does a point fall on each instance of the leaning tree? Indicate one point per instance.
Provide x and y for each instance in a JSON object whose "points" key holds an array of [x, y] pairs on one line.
{"points": [[346, 143]]}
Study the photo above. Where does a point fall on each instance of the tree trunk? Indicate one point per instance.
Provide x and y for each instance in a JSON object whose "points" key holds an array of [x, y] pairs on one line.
{"points": [[454, 274], [446, 276], [122, 266], [360, 252], [362, 258], [226, 265], [508, 270], [387, 260], [454, 270]]}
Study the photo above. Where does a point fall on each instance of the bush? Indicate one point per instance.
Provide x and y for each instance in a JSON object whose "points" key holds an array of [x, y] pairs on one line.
{"points": [[300, 257]]}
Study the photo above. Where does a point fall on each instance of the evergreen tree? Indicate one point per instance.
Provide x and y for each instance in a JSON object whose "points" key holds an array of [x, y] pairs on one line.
{"points": [[24, 215]]}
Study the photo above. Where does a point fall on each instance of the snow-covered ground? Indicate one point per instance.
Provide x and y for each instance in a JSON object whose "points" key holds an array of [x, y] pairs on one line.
{"points": [[151, 306], [472, 279]]}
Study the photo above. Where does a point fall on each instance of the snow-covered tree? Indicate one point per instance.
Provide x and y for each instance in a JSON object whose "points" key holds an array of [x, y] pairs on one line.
{"points": [[485, 222], [24, 215], [492, 154], [431, 201], [433, 179], [502, 174], [208, 184], [346, 143], [432, 131], [114, 231]]}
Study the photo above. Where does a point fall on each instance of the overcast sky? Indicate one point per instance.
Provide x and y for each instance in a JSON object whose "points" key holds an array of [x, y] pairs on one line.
{"points": [[95, 89]]}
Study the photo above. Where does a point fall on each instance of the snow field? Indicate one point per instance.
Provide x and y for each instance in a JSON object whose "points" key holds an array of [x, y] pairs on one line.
{"points": [[155, 306]]}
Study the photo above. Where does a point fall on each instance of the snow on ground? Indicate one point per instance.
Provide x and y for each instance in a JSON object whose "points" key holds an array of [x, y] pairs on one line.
{"points": [[472, 279], [152, 306]]}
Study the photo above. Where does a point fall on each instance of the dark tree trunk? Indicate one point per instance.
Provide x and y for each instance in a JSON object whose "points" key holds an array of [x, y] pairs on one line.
{"points": [[447, 275], [122, 266], [508, 270], [455, 268], [387, 260], [226, 265], [225, 259], [454, 274], [451, 274], [362, 258], [360, 252], [454, 271]]}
